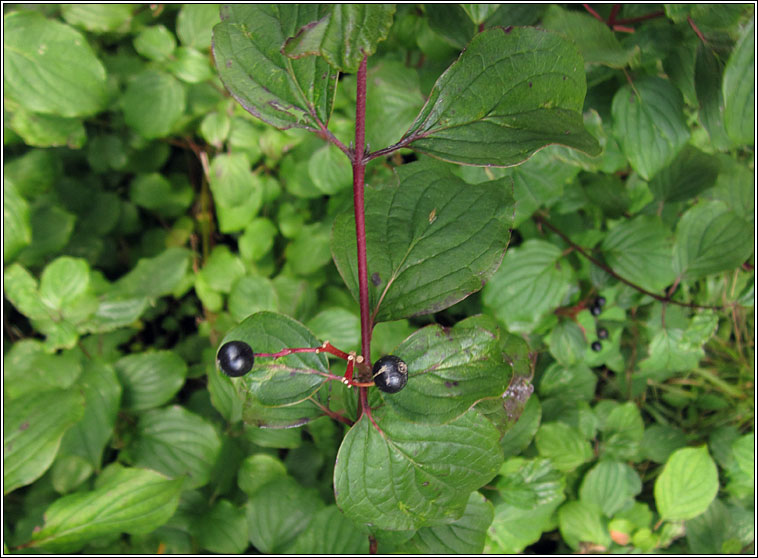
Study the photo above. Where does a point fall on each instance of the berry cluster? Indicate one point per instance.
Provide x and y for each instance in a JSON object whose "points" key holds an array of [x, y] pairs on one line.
{"points": [[389, 374], [602, 333]]}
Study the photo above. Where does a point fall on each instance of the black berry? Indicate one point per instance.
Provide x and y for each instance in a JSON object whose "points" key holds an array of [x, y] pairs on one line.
{"points": [[235, 358], [390, 374], [595, 310], [602, 333], [597, 346], [600, 301]]}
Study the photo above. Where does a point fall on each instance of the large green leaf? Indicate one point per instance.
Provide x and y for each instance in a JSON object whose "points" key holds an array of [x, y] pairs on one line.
{"points": [[346, 34], [739, 90], [530, 483], [17, 231], [278, 513], [709, 70], [270, 86], [49, 67], [130, 500], [530, 283], [223, 529], [688, 484], [640, 250], [431, 241], [100, 18], [449, 370], [594, 39], [282, 381], [102, 394], [150, 379], [611, 486], [689, 174], [177, 443], [153, 103], [465, 535], [331, 533], [711, 239], [564, 445], [648, 121], [154, 277], [581, 522], [33, 425], [511, 93], [409, 475]]}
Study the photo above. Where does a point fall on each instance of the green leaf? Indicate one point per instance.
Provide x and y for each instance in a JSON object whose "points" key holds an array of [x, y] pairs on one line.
{"points": [[28, 368], [689, 174], [37, 52], [518, 437], [155, 277], [640, 251], [309, 251], [48, 130], [237, 192], [622, 432], [282, 381], [150, 379], [155, 42], [479, 14], [465, 535], [102, 394], [570, 383], [412, 475], [100, 18], [330, 170], [738, 88], [530, 483], [511, 93], [431, 241], [707, 532], [223, 395], [742, 449], [222, 269], [215, 128], [252, 294], [450, 370], [660, 441], [194, 24], [131, 501], [648, 121], [153, 103], [735, 186], [223, 529], [157, 193], [177, 443], [257, 240], [278, 513], [563, 445], [709, 70], [450, 22], [711, 239], [280, 91], [594, 39], [33, 426], [343, 36], [530, 283], [17, 231], [330, 532], [51, 230], [688, 484], [341, 327], [63, 281], [567, 343], [582, 522], [610, 486], [258, 470], [190, 65], [34, 172]]}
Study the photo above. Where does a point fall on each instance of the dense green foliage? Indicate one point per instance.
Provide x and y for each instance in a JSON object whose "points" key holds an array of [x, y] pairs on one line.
{"points": [[176, 178]]}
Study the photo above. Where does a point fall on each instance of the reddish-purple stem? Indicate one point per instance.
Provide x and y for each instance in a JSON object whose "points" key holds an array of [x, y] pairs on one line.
{"points": [[325, 348], [359, 170], [614, 13]]}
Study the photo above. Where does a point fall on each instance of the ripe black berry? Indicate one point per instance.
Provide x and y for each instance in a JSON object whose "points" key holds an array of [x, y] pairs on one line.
{"points": [[597, 346], [235, 358], [600, 301], [602, 333], [390, 374], [595, 310]]}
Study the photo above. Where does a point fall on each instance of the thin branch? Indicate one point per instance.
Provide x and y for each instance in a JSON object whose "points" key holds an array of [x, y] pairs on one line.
{"points": [[697, 31], [665, 299], [638, 19], [392, 148]]}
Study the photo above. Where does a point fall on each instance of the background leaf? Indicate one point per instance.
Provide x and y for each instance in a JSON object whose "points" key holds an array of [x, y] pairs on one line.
{"points": [[32, 41], [150, 379], [132, 501], [687, 485], [739, 89]]}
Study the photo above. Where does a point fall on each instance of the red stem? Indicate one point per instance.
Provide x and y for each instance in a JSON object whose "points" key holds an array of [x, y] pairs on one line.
{"points": [[359, 171]]}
